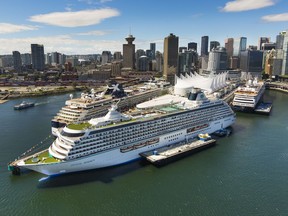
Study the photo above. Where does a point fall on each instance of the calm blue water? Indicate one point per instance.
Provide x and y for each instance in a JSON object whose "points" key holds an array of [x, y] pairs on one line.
{"points": [[244, 174]]}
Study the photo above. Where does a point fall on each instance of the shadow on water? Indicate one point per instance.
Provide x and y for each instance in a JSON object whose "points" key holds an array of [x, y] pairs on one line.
{"points": [[105, 175]]}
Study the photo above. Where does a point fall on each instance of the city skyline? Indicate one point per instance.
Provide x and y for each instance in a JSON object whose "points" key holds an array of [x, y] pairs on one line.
{"points": [[92, 26]]}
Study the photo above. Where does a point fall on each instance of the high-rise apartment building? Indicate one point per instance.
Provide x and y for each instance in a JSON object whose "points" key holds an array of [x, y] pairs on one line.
{"points": [[129, 53], [26, 59], [204, 45], [17, 62], [55, 58], [38, 57], [170, 57], [106, 57]]}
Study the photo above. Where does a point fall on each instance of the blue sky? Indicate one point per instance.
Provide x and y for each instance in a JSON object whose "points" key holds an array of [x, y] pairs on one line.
{"points": [[91, 26]]}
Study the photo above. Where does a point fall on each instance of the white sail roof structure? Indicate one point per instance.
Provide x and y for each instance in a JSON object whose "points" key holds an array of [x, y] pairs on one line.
{"points": [[184, 84]]}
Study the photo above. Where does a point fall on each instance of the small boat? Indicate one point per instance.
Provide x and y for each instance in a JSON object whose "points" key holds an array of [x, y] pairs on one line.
{"points": [[24, 105], [204, 136]]}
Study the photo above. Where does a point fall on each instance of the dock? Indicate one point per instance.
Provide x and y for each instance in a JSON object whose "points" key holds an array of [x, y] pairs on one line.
{"points": [[263, 108], [167, 154], [3, 101]]}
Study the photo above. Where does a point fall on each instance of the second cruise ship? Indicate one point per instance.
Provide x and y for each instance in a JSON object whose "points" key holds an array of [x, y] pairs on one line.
{"points": [[247, 97]]}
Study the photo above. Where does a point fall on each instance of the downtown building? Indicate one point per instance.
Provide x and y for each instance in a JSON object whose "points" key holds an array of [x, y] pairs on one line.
{"points": [[170, 58], [129, 53], [17, 62], [38, 57], [251, 62], [187, 62]]}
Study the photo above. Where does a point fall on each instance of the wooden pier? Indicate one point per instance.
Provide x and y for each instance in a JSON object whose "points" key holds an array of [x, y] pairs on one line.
{"points": [[167, 154]]}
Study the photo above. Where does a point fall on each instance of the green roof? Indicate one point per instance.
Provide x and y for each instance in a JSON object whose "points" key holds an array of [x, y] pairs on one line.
{"points": [[80, 126]]}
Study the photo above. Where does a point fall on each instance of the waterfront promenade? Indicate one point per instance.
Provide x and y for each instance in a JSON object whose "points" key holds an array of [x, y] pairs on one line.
{"points": [[9, 92]]}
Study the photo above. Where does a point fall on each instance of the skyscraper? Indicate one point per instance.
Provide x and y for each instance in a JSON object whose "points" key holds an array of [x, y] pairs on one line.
{"points": [[280, 40], [139, 53], [153, 50], [106, 57], [217, 60], [239, 45], [182, 49], [251, 62], [55, 58], [229, 50], [261, 41], [285, 54], [17, 62], [192, 46], [38, 57], [26, 59], [129, 53], [159, 61], [204, 45], [170, 57], [214, 45], [187, 62], [117, 56]]}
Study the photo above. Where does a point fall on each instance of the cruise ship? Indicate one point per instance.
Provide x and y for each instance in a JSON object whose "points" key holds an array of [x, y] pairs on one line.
{"points": [[119, 138], [93, 104], [247, 97]]}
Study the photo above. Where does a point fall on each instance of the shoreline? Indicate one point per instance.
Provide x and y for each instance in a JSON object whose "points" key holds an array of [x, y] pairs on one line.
{"points": [[20, 92]]}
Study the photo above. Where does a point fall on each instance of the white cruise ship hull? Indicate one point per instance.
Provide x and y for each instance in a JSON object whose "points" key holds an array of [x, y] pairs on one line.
{"points": [[116, 157], [247, 103]]}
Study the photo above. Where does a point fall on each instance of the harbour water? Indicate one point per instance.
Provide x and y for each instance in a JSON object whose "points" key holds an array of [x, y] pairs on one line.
{"points": [[244, 174]]}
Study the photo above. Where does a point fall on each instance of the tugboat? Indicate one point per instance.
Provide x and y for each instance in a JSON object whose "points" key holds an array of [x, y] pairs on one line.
{"points": [[24, 105]]}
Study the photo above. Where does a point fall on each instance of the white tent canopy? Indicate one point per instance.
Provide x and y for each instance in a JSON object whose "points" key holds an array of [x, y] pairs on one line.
{"points": [[210, 84]]}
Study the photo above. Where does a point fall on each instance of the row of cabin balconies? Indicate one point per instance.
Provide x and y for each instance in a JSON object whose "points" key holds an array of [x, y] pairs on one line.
{"points": [[55, 153]]}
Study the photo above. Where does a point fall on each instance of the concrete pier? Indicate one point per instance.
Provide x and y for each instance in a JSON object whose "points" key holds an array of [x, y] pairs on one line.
{"points": [[164, 155], [263, 108]]}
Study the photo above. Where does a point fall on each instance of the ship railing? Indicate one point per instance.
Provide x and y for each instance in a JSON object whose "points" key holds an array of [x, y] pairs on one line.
{"points": [[38, 148]]}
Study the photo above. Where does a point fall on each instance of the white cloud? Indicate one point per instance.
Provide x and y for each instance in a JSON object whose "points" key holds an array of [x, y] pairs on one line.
{"points": [[68, 45], [245, 5], [95, 33], [61, 43], [104, 1], [6, 28], [276, 17], [77, 18], [94, 2]]}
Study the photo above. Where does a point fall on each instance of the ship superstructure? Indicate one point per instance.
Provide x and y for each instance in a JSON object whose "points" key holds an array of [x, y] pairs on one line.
{"points": [[118, 138], [91, 105], [247, 97]]}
